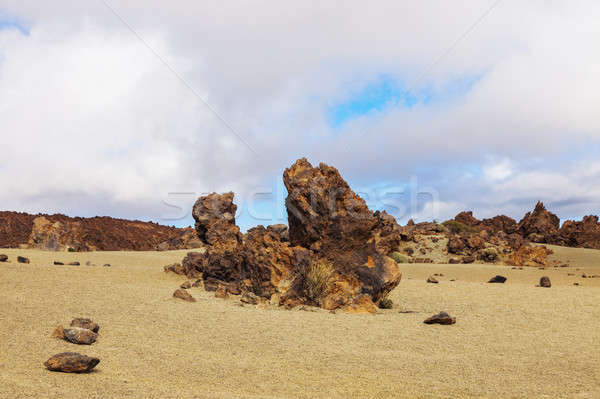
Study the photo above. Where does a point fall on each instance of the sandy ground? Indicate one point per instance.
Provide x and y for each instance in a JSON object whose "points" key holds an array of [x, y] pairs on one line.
{"points": [[511, 340]]}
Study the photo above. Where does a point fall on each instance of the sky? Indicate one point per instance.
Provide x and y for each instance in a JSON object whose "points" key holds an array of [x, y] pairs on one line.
{"points": [[135, 108]]}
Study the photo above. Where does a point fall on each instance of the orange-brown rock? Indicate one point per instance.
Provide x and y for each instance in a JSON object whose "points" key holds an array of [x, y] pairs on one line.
{"points": [[175, 268], [183, 294], [363, 304], [59, 332], [221, 293], [583, 234], [71, 362], [534, 256]]}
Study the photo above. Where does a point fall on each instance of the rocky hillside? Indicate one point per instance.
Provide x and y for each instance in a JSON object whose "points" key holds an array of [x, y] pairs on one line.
{"points": [[61, 233]]}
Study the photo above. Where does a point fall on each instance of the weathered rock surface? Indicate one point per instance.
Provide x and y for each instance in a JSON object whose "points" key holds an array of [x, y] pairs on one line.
{"points": [[583, 234], [71, 362], [85, 323], [80, 336], [440, 318], [183, 294], [540, 225], [59, 332]]}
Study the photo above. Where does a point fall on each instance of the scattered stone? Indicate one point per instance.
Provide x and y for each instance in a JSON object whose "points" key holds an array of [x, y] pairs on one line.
{"points": [[249, 298], [71, 362], [197, 283], [107, 265], [498, 279], [80, 336], [564, 265], [186, 285], [440, 318], [432, 280], [88, 263], [575, 283], [22, 259], [545, 282], [3, 258], [221, 293], [570, 274], [85, 323], [74, 263], [584, 275], [57, 263], [468, 259], [454, 261], [183, 294], [59, 332]]}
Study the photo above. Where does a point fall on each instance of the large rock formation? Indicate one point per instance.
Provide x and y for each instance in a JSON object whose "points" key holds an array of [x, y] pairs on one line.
{"points": [[584, 234], [334, 254]]}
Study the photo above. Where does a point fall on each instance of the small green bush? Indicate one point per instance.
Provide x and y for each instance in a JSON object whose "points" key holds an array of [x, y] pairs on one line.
{"points": [[315, 279], [71, 249], [458, 227], [385, 303], [399, 258]]}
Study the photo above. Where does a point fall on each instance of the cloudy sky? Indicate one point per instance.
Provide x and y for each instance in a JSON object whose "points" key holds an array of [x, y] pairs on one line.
{"points": [[132, 108]]}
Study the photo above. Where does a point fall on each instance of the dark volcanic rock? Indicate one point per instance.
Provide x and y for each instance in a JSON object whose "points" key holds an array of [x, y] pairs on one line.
{"points": [[545, 282], [71, 362], [584, 234], [440, 318], [432, 279], [3, 258], [497, 279], [57, 263], [22, 259]]}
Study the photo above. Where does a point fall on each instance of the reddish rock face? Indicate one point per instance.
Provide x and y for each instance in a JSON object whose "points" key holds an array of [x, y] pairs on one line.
{"points": [[540, 225], [584, 234], [214, 215]]}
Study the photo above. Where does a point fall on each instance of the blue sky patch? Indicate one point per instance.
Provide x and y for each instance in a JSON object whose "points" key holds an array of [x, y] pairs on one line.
{"points": [[7, 22]]}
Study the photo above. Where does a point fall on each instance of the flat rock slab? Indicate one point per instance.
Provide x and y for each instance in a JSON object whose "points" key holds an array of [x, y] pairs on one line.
{"points": [[80, 336], [85, 323], [71, 362], [498, 279], [440, 318]]}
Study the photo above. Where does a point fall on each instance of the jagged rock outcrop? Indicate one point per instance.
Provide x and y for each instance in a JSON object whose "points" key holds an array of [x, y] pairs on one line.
{"points": [[539, 226], [583, 234], [332, 237]]}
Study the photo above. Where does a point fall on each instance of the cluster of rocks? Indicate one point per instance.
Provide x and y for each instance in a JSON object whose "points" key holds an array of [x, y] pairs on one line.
{"points": [[539, 226], [335, 253], [62, 233], [82, 331]]}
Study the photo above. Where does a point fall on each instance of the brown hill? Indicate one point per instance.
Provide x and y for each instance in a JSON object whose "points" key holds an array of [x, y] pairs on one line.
{"points": [[59, 233]]}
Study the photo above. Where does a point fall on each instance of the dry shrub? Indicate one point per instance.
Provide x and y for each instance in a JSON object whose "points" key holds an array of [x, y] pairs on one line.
{"points": [[315, 279]]}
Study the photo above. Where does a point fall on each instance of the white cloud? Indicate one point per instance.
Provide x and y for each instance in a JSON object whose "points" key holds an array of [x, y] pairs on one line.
{"points": [[93, 122]]}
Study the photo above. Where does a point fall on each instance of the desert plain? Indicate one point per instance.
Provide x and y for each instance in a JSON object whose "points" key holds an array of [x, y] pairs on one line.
{"points": [[510, 340]]}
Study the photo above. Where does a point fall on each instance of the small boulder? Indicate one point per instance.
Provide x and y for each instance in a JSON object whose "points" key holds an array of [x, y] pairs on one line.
{"points": [[183, 294], [107, 265], [57, 263], [498, 279], [74, 263], [175, 268], [249, 298], [468, 259], [545, 282], [453, 261], [80, 336], [71, 362], [186, 285], [22, 259], [440, 318], [432, 280], [85, 323], [3, 258]]}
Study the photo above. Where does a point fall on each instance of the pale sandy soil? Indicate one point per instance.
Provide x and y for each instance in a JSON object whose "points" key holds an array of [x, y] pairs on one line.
{"points": [[511, 340]]}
